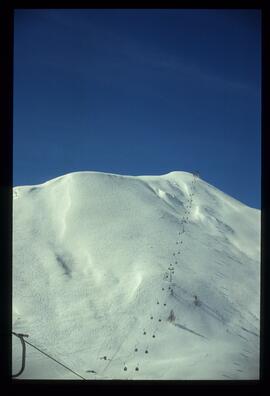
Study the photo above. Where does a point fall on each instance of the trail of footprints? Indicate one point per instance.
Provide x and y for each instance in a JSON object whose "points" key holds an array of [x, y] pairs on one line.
{"points": [[167, 288]]}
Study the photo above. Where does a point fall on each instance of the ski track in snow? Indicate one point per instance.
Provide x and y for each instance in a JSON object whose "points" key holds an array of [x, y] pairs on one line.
{"points": [[187, 329]]}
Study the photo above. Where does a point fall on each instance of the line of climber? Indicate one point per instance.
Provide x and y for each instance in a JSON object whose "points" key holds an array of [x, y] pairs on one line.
{"points": [[167, 277], [179, 242]]}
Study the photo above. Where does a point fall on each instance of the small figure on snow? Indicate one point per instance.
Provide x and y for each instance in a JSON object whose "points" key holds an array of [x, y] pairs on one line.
{"points": [[171, 317], [196, 301]]}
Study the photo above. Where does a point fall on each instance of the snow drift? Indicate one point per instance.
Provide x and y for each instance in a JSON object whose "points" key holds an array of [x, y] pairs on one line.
{"points": [[100, 261]]}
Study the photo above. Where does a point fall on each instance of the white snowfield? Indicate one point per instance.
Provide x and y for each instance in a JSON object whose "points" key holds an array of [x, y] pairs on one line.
{"points": [[100, 261]]}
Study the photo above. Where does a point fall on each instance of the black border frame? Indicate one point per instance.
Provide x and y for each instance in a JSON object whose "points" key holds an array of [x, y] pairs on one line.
{"points": [[6, 183]]}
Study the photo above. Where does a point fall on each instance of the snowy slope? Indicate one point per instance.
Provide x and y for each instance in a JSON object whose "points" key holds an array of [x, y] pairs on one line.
{"points": [[92, 257]]}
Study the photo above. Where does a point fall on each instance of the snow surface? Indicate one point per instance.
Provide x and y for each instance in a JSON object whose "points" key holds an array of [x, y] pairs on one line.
{"points": [[91, 260]]}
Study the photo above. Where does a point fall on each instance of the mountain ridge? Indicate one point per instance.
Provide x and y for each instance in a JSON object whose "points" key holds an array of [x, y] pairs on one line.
{"points": [[109, 242]]}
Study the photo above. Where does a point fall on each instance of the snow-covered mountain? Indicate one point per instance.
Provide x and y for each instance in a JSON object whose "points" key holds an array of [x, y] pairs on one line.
{"points": [[105, 273]]}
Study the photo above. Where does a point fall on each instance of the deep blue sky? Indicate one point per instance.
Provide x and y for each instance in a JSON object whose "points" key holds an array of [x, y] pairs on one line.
{"points": [[139, 92]]}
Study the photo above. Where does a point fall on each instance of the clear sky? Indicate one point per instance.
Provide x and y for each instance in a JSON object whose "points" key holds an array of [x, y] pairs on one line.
{"points": [[139, 92]]}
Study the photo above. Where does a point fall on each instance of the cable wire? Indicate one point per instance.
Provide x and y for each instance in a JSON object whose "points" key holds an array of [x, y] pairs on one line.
{"points": [[50, 357]]}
